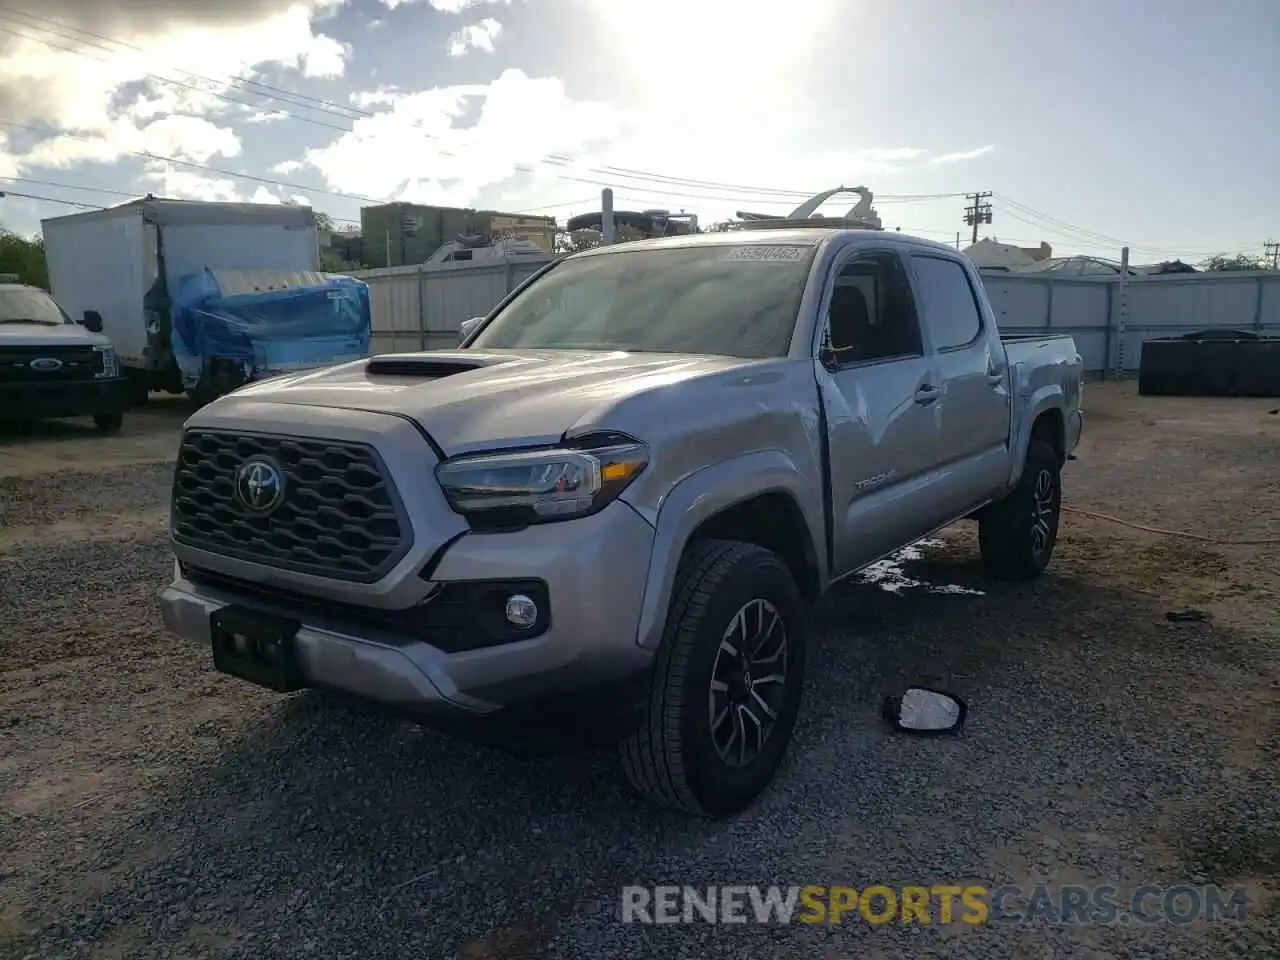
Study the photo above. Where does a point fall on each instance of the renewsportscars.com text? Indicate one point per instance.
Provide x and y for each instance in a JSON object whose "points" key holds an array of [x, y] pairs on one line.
{"points": [[943, 904]]}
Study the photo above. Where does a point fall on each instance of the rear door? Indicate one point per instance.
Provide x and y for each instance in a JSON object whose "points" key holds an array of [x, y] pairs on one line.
{"points": [[973, 409], [880, 391]]}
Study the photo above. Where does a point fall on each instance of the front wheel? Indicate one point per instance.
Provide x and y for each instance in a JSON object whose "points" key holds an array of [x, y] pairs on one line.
{"points": [[726, 685], [1017, 535]]}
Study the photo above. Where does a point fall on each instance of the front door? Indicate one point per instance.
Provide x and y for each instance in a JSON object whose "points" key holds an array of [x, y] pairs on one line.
{"points": [[880, 391]]}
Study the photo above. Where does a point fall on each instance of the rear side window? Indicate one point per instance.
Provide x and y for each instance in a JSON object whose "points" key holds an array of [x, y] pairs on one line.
{"points": [[947, 302]]}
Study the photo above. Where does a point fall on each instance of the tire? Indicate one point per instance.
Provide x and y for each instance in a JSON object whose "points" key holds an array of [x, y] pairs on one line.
{"points": [[1017, 535], [139, 387], [677, 755], [108, 422]]}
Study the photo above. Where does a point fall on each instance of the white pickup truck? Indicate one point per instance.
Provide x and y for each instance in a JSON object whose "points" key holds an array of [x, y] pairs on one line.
{"points": [[611, 504]]}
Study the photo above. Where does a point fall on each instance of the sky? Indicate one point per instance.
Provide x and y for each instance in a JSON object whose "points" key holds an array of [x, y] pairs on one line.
{"points": [[1152, 123]]}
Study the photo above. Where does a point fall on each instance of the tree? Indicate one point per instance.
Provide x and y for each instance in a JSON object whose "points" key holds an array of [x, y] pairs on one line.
{"points": [[1238, 262], [579, 240], [331, 263], [24, 256], [324, 223]]}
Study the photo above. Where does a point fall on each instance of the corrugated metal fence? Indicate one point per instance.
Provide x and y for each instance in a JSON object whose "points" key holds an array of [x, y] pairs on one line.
{"points": [[1110, 324], [421, 307]]}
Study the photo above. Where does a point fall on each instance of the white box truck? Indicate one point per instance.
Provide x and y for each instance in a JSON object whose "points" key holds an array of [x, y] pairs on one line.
{"points": [[122, 266]]}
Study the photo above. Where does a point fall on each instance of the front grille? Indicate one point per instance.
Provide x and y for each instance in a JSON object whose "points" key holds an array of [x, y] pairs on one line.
{"points": [[73, 363], [339, 516]]}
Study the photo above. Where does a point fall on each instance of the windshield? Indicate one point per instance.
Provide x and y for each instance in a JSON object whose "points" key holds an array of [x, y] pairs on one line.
{"points": [[30, 306], [734, 301]]}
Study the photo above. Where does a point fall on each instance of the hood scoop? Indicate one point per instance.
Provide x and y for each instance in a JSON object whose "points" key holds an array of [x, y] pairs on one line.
{"points": [[428, 366]]}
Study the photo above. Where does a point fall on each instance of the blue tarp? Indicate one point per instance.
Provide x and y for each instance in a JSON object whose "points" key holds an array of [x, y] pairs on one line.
{"points": [[271, 331]]}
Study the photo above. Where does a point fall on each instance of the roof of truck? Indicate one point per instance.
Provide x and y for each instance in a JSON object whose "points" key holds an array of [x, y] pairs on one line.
{"points": [[772, 237], [175, 212]]}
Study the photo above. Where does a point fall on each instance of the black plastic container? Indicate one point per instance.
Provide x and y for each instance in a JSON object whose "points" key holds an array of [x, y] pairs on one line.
{"points": [[1211, 363]]}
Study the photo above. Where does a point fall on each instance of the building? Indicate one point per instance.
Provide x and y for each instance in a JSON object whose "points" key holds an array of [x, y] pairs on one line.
{"points": [[991, 254], [395, 234], [540, 231]]}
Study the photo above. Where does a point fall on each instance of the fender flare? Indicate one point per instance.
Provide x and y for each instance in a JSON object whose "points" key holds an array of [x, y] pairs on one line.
{"points": [[1048, 397], [702, 495]]}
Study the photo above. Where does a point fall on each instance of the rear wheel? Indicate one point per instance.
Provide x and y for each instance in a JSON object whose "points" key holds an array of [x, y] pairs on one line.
{"points": [[726, 685], [1018, 534]]}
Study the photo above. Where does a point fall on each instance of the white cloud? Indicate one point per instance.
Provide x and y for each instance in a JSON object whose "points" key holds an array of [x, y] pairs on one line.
{"points": [[109, 95], [325, 58], [273, 116], [963, 155], [477, 36], [412, 149], [264, 195], [288, 166], [179, 136], [458, 6], [172, 181], [445, 6]]}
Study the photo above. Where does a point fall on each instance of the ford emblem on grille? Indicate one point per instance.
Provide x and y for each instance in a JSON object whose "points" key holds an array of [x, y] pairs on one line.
{"points": [[46, 363], [259, 485]]}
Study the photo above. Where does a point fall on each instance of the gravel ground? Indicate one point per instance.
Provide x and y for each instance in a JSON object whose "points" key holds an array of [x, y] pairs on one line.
{"points": [[150, 807]]}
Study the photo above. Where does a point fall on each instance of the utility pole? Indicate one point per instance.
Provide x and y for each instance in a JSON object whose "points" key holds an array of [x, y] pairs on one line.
{"points": [[1271, 251], [977, 212]]}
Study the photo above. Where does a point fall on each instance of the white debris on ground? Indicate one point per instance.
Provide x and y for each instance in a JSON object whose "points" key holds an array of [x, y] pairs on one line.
{"points": [[889, 575]]}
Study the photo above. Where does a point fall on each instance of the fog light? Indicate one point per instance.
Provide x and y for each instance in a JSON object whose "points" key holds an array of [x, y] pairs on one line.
{"points": [[521, 611]]}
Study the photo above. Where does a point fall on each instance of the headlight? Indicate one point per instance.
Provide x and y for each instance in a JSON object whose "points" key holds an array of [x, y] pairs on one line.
{"points": [[541, 485], [110, 362]]}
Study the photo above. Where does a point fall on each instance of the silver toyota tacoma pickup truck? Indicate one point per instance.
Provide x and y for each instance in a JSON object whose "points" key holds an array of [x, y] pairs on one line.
{"points": [[612, 503]]}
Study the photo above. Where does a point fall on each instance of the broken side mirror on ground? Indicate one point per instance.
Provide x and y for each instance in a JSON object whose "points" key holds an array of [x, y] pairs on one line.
{"points": [[921, 710]]}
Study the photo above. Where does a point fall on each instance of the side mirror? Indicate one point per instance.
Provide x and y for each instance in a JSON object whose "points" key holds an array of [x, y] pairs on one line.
{"points": [[927, 712], [93, 321], [467, 327]]}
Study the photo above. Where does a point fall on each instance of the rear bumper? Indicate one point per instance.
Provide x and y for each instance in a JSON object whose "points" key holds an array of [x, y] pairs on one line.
{"points": [[39, 401]]}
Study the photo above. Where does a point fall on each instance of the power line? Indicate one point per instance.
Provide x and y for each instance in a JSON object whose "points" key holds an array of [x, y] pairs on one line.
{"points": [[351, 113], [1093, 243], [88, 37], [254, 178], [1092, 236], [978, 212], [32, 196]]}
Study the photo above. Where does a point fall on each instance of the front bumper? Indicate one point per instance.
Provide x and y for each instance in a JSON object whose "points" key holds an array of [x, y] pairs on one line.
{"points": [[594, 569], [76, 398]]}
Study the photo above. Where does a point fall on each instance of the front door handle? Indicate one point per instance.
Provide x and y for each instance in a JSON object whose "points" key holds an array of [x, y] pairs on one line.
{"points": [[926, 394]]}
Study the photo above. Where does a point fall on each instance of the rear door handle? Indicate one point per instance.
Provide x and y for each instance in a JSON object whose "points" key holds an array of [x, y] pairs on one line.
{"points": [[926, 394]]}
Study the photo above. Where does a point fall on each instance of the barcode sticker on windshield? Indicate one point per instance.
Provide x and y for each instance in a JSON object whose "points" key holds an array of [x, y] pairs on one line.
{"points": [[761, 254]]}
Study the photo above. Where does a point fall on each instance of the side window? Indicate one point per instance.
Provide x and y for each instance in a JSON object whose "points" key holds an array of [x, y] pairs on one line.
{"points": [[872, 315], [947, 303]]}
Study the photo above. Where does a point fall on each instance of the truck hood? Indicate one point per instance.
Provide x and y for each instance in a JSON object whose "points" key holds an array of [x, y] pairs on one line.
{"points": [[48, 335], [469, 401]]}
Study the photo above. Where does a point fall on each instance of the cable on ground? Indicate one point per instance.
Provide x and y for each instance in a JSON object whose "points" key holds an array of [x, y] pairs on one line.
{"points": [[1182, 534]]}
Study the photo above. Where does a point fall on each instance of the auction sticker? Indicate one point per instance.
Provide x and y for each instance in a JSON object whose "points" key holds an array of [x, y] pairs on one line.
{"points": [[763, 254]]}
